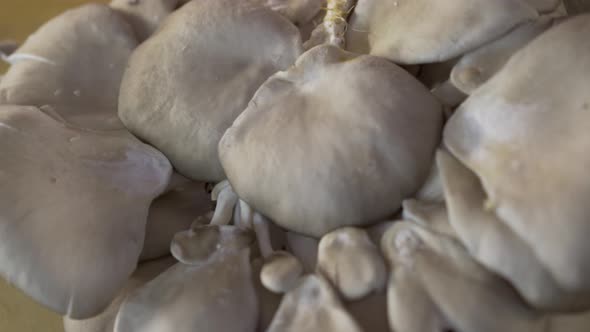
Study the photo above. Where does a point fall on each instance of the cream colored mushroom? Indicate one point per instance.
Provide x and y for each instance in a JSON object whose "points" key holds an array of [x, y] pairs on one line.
{"points": [[105, 321], [72, 67], [171, 213], [426, 31], [351, 262], [203, 66], [145, 16], [73, 209], [496, 133], [215, 293], [326, 164], [280, 272], [476, 67], [312, 306]]}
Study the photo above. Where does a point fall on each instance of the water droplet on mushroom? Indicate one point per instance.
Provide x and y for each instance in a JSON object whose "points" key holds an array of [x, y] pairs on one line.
{"points": [[77, 93]]}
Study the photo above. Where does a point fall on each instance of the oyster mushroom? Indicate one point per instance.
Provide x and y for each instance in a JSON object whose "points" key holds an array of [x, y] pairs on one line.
{"points": [[72, 67], [203, 66], [280, 272], [105, 321], [171, 213], [495, 134], [326, 163], [425, 31], [351, 262], [72, 250], [212, 293], [476, 67], [312, 306], [145, 16]]}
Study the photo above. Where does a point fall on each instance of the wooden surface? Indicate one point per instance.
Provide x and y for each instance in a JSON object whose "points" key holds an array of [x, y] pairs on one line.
{"points": [[18, 19]]}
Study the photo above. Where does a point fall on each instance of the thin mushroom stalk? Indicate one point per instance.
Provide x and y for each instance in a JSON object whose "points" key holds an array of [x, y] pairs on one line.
{"points": [[333, 29], [226, 201]]}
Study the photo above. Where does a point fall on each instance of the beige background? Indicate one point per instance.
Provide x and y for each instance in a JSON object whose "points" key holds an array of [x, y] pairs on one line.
{"points": [[19, 18]]}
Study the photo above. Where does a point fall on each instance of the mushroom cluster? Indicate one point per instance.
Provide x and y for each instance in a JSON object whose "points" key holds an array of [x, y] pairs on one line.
{"points": [[301, 165]]}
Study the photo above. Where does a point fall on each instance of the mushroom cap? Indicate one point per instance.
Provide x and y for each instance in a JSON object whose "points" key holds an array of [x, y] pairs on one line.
{"points": [[171, 213], [504, 132], [201, 242], [80, 59], [105, 321], [268, 302], [203, 66], [425, 31], [312, 306], [217, 295], [280, 272], [145, 16], [74, 249], [476, 67], [300, 12], [351, 262], [335, 137]]}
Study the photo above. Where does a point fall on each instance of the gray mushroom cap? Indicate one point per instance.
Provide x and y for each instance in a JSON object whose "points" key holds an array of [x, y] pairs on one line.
{"points": [[351, 262], [309, 121], [312, 306], [72, 250], [73, 65], [425, 31], [231, 48], [519, 139]]}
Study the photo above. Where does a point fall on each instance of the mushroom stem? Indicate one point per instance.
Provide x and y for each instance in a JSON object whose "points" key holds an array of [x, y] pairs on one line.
{"points": [[246, 215], [226, 200], [261, 228], [333, 28]]}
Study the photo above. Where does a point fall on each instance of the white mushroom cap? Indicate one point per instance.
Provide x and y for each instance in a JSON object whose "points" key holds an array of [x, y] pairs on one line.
{"points": [[105, 321], [216, 295], [73, 65], [351, 262], [280, 272], [307, 120], [476, 67], [520, 139], [312, 306], [72, 250], [145, 16], [425, 31], [231, 47], [268, 302], [171, 213]]}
